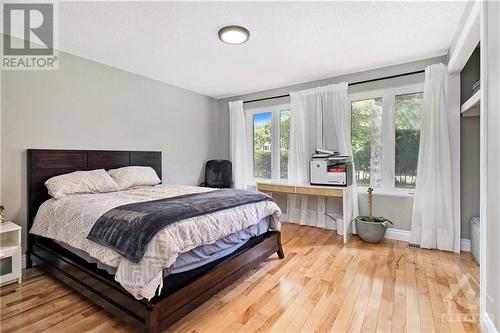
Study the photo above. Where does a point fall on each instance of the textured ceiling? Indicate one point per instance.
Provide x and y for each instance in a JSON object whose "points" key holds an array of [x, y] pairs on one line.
{"points": [[291, 42]]}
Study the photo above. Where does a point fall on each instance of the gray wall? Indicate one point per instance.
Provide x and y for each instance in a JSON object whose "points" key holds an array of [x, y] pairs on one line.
{"points": [[399, 209], [469, 178], [87, 105]]}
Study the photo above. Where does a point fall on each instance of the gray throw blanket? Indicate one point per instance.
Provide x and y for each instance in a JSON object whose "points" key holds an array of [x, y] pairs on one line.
{"points": [[128, 229]]}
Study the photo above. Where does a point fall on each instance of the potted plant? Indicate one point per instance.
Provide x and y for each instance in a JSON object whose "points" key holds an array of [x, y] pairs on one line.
{"points": [[371, 228]]}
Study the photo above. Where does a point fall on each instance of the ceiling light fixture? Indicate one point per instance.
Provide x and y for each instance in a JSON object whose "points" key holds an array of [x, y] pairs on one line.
{"points": [[234, 35]]}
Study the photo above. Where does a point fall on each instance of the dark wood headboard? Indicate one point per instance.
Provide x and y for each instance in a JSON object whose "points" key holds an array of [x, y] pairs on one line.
{"points": [[45, 163]]}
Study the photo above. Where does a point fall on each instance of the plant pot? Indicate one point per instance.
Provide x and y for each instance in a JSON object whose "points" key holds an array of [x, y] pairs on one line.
{"points": [[371, 232]]}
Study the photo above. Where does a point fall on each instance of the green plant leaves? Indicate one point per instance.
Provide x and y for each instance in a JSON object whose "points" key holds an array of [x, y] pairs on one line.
{"points": [[375, 219]]}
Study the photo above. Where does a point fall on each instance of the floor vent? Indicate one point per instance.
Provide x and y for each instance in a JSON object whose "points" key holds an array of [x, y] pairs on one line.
{"points": [[416, 246]]}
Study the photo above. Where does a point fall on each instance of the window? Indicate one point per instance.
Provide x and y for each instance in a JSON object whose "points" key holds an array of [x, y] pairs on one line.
{"points": [[408, 119], [385, 136], [262, 143], [270, 137], [367, 140]]}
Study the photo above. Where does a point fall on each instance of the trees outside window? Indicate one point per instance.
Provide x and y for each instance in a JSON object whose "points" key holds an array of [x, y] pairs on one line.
{"points": [[270, 126], [262, 145], [366, 117], [385, 136], [408, 121]]}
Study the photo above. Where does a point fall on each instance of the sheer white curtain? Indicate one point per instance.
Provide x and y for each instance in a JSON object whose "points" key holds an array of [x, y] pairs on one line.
{"points": [[238, 143], [305, 109], [305, 116], [432, 221], [337, 130], [320, 117]]}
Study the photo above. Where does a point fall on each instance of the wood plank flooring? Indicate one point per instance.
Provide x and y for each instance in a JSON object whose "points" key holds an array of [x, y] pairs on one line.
{"points": [[321, 285]]}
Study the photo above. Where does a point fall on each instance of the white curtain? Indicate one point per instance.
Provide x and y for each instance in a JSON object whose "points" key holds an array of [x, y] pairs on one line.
{"points": [[320, 117], [238, 142], [337, 130], [305, 109], [305, 114], [432, 219]]}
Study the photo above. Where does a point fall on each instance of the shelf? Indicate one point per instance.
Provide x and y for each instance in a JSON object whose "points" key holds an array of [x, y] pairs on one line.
{"points": [[8, 227], [9, 244], [471, 107]]}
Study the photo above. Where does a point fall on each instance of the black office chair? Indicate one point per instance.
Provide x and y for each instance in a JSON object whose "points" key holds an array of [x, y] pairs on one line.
{"points": [[218, 174]]}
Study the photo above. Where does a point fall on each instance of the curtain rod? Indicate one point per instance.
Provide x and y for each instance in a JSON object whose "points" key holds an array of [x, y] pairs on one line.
{"points": [[350, 84]]}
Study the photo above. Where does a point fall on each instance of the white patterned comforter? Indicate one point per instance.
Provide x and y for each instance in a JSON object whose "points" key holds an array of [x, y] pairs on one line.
{"points": [[70, 219]]}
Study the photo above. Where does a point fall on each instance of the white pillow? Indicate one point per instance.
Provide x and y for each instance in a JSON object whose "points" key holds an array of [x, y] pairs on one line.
{"points": [[132, 176], [78, 182]]}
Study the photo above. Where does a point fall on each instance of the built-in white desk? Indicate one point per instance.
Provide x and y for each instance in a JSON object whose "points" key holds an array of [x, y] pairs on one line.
{"points": [[344, 227]]}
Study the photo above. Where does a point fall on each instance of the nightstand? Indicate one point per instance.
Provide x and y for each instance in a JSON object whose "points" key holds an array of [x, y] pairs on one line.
{"points": [[10, 253]]}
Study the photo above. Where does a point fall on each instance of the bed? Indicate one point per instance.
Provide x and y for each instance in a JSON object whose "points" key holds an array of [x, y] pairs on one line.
{"points": [[183, 288]]}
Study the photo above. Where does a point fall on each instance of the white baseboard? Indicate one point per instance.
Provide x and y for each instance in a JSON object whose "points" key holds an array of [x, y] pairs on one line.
{"points": [[396, 234], [404, 235], [487, 324], [465, 245]]}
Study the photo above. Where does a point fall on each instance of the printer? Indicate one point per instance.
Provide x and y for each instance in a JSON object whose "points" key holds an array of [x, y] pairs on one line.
{"points": [[330, 168]]}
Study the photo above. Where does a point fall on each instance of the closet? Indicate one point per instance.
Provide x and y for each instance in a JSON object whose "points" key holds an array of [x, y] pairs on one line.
{"points": [[470, 93]]}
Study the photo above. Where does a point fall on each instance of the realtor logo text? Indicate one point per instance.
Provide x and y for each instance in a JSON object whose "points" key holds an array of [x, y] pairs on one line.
{"points": [[29, 37]]}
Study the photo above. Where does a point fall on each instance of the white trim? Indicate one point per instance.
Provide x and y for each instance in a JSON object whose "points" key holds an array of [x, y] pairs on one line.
{"points": [[394, 192], [396, 234], [465, 41], [404, 235], [23, 261], [483, 163], [487, 324], [399, 90], [465, 245], [453, 113]]}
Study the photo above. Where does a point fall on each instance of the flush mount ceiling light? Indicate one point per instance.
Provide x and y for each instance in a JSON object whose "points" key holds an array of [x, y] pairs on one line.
{"points": [[234, 35]]}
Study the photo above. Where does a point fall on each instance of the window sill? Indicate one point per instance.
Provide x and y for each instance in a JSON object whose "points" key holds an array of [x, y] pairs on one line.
{"points": [[389, 192]]}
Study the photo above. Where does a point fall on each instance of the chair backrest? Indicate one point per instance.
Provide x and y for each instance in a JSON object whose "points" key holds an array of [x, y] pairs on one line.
{"points": [[218, 174]]}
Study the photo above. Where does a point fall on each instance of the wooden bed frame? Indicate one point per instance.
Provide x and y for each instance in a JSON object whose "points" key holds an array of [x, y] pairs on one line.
{"points": [[159, 313]]}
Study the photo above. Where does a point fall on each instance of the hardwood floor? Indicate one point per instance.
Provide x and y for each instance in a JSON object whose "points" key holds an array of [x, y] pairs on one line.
{"points": [[320, 286]]}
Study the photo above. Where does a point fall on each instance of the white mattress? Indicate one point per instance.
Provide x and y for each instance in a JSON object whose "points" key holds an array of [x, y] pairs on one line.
{"points": [[70, 219]]}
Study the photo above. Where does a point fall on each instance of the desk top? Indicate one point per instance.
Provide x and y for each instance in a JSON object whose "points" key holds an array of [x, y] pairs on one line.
{"points": [[284, 182], [301, 188]]}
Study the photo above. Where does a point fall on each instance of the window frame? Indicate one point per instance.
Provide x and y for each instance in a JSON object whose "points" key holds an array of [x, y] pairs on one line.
{"points": [[388, 95], [275, 111]]}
